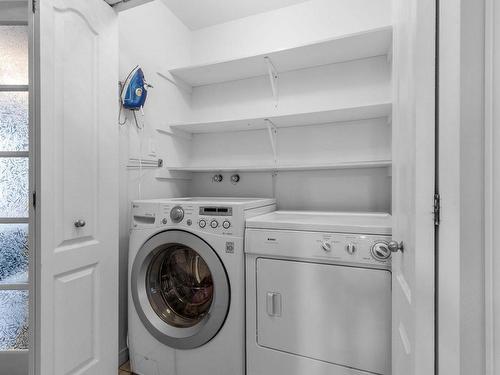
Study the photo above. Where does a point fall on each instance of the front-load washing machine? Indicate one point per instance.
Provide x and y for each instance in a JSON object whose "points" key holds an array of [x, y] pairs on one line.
{"points": [[318, 294], [186, 278]]}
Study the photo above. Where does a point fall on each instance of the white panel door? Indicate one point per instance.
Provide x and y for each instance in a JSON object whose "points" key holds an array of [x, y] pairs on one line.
{"points": [[77, 299], [413, 187]]}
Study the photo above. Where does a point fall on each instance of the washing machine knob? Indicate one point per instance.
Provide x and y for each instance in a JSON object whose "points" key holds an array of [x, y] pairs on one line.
{"points": [[202, 223], [350, 248], [380, 250], [226, 224], [177, 214], [326, 246], [214, 224]]}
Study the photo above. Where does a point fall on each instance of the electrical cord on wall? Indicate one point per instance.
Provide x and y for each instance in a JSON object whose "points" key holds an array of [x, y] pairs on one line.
{"points": [[140, 129], [140, 91]]}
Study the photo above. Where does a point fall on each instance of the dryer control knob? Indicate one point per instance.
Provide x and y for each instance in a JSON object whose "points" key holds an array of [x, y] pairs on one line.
{"points": [[177, 214], [226, 224], [350, 248], [202, 223], [214, 224], [326, 246], [380, 251]]}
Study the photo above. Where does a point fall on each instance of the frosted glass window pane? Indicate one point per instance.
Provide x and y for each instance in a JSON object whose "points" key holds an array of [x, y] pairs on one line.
{"points": [[13, 319], [13, 253], [13, 55], [14, 187], [13, 121]]}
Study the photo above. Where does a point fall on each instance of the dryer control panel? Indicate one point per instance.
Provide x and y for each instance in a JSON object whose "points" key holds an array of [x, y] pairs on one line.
{"points": [[356, 249]]}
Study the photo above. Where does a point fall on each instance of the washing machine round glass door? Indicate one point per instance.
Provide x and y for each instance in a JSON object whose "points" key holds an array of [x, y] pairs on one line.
{"points": [[180, 289]]}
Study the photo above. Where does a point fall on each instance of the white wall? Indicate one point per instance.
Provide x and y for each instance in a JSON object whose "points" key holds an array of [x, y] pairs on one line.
{"points": [[299, 24], [344, 190], [151, 36], [461, 183], [347, 84], [326, 87]]}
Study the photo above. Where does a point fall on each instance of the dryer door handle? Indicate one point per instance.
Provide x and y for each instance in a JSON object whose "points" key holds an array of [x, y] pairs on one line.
{"points": [[273, 303]]}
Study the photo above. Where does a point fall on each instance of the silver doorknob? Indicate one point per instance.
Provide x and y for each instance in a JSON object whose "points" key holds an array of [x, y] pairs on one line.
{"points": [[395, 246], [80, 223]]}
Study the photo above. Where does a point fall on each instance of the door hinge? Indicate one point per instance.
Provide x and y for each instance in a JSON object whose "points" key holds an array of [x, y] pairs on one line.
{"points": [[34, 199], [33, 6], [437, 209]]}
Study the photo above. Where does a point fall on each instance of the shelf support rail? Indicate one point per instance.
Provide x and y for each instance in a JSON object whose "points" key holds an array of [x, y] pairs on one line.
{"points": [[389, 55], [273, 78], [273, 136]]}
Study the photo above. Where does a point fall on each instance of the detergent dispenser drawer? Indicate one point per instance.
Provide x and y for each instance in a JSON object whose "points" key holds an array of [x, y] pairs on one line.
{"points": [[335, 314]]}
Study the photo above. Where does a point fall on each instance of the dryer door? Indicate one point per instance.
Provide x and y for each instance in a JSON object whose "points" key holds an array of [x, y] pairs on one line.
{"points": [[180, 289]]}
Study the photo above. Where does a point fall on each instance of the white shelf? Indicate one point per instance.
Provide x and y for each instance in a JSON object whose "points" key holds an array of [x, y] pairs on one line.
{"points": [[298, 119], [167, 174], [289, 167], [368, 43]]}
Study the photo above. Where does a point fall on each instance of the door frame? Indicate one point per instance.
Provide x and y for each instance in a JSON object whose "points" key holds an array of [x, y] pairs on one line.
{"points": [[460, 269], [34, 120], [492, 187]]}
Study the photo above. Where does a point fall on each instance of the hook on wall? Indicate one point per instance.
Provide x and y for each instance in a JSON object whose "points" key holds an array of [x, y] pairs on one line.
{"points": [[235, 178], [217, 178]]}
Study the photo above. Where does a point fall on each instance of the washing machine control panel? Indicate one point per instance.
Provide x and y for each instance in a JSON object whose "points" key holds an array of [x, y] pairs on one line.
{"points": [[176, 214], [371, 250], [213, 219]]}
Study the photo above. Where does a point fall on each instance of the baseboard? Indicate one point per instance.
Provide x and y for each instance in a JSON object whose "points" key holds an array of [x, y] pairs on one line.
{"points": [[122, 356]]}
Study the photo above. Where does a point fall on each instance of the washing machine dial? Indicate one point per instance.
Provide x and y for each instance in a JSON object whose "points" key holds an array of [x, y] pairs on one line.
{"points": [[214, 224], [226, 224], [326, 246], [202, 223], [350, 248], [380, 250], [177, 214]]}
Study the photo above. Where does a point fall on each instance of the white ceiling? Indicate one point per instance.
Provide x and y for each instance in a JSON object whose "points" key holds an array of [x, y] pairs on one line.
{"points": [[197, 14]]}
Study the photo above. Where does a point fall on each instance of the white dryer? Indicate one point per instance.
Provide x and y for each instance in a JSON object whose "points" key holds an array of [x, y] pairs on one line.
{"points": [[318, 294], [186, 279]]}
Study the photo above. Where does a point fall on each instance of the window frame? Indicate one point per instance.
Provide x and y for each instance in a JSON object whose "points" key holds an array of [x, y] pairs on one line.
{"points": [[28, 284]]}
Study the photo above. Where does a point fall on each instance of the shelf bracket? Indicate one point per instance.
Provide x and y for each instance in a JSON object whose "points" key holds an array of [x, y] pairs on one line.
{"points": [[273, 135], [389, 120], [389, 55], [273, 78], [177, 82]]}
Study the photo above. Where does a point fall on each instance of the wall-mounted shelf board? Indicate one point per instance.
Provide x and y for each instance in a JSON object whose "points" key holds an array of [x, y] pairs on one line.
{"points": [[289, 167], [166, 174], [177, 133], [298, 119], [367, 43]]}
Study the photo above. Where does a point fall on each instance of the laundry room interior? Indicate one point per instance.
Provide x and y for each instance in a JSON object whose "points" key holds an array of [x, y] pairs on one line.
{"points": [[315, 133], [249, 187], [296, 102]]}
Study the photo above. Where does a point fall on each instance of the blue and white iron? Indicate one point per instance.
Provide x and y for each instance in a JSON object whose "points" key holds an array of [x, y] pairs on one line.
{"points": [[134, 91]]}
